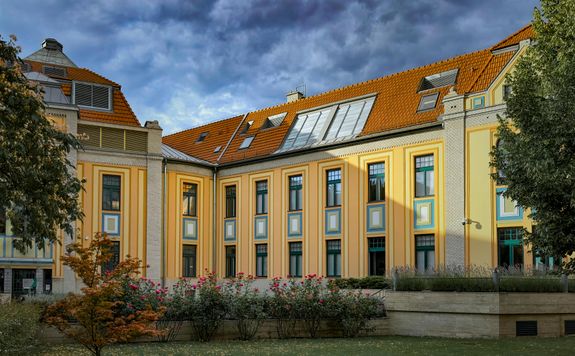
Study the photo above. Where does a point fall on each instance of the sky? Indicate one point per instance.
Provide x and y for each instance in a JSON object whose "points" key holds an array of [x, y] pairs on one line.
{"points": [[187, 63]]}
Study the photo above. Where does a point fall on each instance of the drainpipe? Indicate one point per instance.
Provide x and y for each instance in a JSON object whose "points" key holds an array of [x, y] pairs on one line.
{"points": [[164, 220], [214, 219]]}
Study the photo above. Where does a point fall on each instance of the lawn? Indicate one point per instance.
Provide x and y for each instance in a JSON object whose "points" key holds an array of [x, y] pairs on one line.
{"points": [[390, 345]]}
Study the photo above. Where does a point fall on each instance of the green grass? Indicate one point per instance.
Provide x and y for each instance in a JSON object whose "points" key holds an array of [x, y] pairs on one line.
{"points": [[390, 345]]}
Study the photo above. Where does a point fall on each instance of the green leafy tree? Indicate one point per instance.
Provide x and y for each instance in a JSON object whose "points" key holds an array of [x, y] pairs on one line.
{"points": [[536, 150], [38, 189]]}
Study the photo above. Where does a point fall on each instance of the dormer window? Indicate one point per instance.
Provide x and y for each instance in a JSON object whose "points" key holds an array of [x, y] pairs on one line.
{"points": [[202, 137], [55, 71], [438, 80], [92, 96], [427, 102], [246, 127], [247, 142], [274, 120]]}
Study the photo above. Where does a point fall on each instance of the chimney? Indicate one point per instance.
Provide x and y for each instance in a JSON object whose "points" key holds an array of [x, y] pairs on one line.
{"points": [[52, 44], [294, 96]]}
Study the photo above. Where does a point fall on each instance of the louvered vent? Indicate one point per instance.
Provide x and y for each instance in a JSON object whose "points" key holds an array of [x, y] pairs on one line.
{"points": [[438, 80], [95, 96], [56, 71], [112, 138], [136, 141], [526, 328], [89, 136], [569, 327]]}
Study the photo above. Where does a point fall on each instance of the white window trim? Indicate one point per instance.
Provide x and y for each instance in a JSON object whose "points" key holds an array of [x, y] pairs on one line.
{"points": [[502, 212]]}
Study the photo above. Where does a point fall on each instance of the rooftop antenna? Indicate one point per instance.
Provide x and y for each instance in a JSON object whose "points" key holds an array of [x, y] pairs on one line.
{"points": [[301, 86]]}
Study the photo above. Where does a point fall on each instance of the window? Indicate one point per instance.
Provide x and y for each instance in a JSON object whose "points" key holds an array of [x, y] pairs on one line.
{"points": [[424, 186], [246, 127], [230, 261], [510, 246], [262, 197], [295, 259], [334, 258], [333, 190], [295, 193], [376, 182], [246, 143], [231, 201], [261, 260], [190, 199], [427, 102], [202, 137], [274, 120], [94, 96], [439, 80], [111, 192], [424, 252], [189, 261], [376, 246], [217, 149], [114, 252], [2, 221], [506, 91], [349, 119], [500, 174], [478, 103]]}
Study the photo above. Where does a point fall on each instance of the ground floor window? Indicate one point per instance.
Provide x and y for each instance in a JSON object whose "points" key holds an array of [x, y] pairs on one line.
{"points": [[510, 241], [230, 261], [261, 260], [114, 257], [47, 281], [376, 249], [23, 281], [189, 261], [1, 280], [295, 258], [334, 258], [425, 252]]}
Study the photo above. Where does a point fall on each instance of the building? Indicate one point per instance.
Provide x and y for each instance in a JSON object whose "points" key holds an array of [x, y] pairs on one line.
{"points": [[352, 182]]}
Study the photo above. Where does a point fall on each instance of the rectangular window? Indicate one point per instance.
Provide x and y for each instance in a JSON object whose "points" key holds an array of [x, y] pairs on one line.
{"points": [[376, 247], [295, 259], [376, 182], [424, 177], [262, 197], [111, 192], [333, 190], [427, 102], [425, 252], [510, 242], [506, 91], [190, 199], [189, 261], [114, 253], [295, 193], [92, 95], [2, 221], [334, 258], [231, 201], [230, 261], [261, 260]]}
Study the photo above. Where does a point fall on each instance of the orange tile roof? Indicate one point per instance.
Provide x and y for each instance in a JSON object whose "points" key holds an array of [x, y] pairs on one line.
{"points": [[219, 134], [523, 34], [395, 107], [121, 114]]}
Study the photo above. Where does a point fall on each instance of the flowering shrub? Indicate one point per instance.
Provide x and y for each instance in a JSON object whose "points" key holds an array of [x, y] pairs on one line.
{"points": [[354, 309], [310, 302], [205, 306], [282, 306], [246, 305]]}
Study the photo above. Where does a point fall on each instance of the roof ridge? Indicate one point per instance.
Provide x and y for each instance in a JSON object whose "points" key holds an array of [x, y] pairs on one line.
{"points": [[129, 106], [524, 28], [203, 125], [379, 78]]}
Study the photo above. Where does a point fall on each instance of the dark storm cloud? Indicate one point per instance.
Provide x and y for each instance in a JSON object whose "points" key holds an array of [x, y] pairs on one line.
{"points": [[190, 62]]}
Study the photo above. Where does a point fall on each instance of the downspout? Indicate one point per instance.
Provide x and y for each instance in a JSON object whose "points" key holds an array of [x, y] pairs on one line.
{"points": [[164, 220], [214, 219]]}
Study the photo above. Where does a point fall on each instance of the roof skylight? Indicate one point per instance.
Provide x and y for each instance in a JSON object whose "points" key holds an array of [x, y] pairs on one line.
{"points": [[274, 120], [342, 121], [202, 137], [427, 102], [217, 149], [438, 80], [247, 142], [246, 127]]}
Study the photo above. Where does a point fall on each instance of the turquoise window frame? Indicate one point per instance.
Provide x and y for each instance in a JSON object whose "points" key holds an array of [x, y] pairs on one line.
{"points": [[376, 177], [263, 208], [336, 254], [261, 260], [297, 204], [333, 183], [297, 253], [190, 199], [429, 190]]}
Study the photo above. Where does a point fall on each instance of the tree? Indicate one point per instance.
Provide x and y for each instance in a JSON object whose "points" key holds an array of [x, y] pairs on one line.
{"points": [[38, 189], [536, 150], [102, 315]]}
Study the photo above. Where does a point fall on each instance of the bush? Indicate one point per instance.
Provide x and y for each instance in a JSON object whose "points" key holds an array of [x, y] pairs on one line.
{"points": [[354, 310], [282, 306], [411, 284], [371, 282], [246, 305], [530, 285], [19, 327], [460, 284]]}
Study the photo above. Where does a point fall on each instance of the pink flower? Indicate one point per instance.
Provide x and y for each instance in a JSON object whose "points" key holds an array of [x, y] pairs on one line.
{"points": [[218, 287], [133, 286], [142, 297], [321, 301]]}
